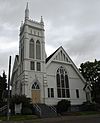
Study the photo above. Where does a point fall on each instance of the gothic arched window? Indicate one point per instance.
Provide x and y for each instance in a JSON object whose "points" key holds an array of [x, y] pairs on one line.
{"points": [[31, 48], [35, 86], [62, 83], [38, 50]]}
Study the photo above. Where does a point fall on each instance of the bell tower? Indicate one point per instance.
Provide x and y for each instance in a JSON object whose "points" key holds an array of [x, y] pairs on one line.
{"points": [[32, 44], [31, 52]]}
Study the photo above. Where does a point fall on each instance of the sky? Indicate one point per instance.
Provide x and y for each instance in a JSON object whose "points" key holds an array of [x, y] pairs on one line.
{"points": [[73, 24]]}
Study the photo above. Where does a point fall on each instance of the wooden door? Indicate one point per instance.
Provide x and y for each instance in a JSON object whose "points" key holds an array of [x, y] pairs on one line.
{"points": [[36, 96]]}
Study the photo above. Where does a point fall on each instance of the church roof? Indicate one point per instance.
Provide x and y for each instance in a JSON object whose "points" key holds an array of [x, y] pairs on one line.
{"points": [[48, 58]]}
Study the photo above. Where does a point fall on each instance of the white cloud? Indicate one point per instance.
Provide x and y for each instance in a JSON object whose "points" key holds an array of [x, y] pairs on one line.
{"points": [[73, 24]]}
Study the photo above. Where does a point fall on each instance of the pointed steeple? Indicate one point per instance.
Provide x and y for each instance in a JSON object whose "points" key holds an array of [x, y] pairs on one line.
{"points": [[42, 20], [26, 12]]}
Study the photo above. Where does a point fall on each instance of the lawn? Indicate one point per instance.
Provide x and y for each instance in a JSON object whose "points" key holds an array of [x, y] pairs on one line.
{"points": [[80, 113], [19, 117], [34, 117]]}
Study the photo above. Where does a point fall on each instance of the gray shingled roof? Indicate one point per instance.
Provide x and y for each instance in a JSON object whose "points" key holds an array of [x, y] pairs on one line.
{"points": [[48, 58]]}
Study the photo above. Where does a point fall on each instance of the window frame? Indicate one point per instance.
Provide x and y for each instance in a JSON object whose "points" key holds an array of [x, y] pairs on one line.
{"points": [[32, 65], [50, 92], [38, 50], [38, 66], [77, 93], [31, 49], [35, 86], [62, 83]]}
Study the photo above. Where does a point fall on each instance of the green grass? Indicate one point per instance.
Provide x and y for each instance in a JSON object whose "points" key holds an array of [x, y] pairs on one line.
{"points": [[19, 117], [89, 112], [2, 118], [34, 117], [80, 113]]}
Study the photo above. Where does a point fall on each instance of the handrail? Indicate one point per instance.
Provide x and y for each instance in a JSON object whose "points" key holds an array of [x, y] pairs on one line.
{"points": [[3, 108], [53, 108], [38, 108]]}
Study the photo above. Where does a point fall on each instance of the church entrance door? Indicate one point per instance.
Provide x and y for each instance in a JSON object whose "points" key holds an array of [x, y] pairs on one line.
{"points": [[35, 96], [35, 93]]}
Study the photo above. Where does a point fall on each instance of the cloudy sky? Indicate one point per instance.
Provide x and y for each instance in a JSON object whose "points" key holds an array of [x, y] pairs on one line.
{"points": [[74, 24]]}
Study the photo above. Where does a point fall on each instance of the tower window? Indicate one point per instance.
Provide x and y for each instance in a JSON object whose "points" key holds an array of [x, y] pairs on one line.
{"points": [[31, 49], [34, 32], [38, 66], [38, 50], [32, 65], [62, 83]]}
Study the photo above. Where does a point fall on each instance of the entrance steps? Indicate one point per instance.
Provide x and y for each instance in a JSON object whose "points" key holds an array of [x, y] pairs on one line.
{"points": [[3, 110], [44, 110]]}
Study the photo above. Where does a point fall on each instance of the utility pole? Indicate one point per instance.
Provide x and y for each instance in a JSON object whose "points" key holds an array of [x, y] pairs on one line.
{"points": [[8, 100]]}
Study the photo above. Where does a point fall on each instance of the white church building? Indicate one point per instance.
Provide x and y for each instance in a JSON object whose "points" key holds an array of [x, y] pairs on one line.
{"points": [[45, 79]]}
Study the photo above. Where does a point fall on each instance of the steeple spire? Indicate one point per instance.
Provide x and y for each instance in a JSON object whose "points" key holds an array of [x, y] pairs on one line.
{"points": [[41, 20], [26, 12]]}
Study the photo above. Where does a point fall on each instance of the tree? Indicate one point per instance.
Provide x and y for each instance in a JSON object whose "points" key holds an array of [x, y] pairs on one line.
{"points": [[26, 104], [63, 106], [91, 72], [3, 87], [17, 99]]}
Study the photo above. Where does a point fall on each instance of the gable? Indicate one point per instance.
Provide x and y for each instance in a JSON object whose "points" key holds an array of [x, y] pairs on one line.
{"points": [[61, 56], [58, 55]]}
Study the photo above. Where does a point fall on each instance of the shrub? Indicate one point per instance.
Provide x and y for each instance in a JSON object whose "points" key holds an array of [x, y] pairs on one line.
{"points": [[26, 111], [17, 99], [63, 106], [87, 106]]}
